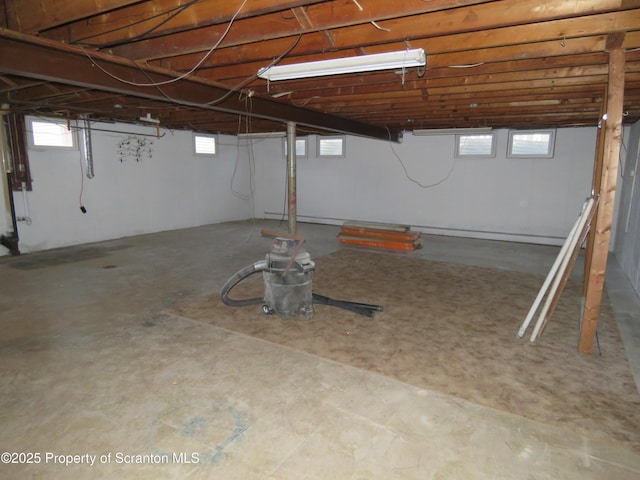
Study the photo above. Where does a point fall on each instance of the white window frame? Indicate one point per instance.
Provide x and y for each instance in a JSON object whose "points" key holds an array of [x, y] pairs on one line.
{"points": [[320, 138], [550, 145], [72, 134], [205, 135], [304, 141], [491, 154]]}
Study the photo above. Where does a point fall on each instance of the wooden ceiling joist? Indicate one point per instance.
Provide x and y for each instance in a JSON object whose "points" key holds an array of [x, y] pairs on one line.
{"points": [[33, 58], [407, 25], [33, 16], [491, 53]]}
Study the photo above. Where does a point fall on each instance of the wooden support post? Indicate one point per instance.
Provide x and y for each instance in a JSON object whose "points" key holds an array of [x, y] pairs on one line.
{"points": [[595, 188], [607, 181]]}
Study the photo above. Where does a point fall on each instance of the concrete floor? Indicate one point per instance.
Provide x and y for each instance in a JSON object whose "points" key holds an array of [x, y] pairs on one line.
{"points": [[92, 366]]}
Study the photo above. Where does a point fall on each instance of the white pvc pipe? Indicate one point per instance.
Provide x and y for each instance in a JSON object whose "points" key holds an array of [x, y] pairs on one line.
{"points": [[586, 214], [550, 275]]}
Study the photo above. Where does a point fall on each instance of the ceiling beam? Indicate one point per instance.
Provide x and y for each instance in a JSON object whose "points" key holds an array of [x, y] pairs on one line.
{"points": [[46, 60]]}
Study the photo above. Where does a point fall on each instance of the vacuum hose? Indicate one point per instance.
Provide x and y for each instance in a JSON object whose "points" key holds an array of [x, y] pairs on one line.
{"points": [[237, 278], [262, 265]]}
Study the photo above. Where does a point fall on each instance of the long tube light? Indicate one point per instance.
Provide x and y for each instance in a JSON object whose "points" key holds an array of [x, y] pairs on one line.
{"points": [[262, 135], [451, 131], [362, 63]]}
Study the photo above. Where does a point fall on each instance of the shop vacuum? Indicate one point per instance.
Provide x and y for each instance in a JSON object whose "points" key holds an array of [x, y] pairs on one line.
{"points": [[287, 271]]}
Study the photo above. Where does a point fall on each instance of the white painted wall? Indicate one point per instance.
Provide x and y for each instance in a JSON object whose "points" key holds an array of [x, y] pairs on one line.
{"points": [[532, 200], [627, 248], [173, 189]]}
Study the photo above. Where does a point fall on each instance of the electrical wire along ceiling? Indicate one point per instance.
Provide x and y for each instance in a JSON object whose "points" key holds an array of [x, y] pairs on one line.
{"points": [[216, 65]]}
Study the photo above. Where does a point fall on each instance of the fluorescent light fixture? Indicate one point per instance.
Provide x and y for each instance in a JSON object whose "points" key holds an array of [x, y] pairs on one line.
{"points": [[361, 63], [262, 135], [451, 131]]}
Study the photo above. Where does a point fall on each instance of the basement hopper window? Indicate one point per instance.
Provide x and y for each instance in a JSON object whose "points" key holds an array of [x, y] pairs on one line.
{"points": [[51, 133], [475, 145], [331, 146], [205, 144], [531, 144], [301, 147]]}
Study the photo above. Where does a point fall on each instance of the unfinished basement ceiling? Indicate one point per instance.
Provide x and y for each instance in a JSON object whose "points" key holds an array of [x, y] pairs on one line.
{"points": [[192, 64]]}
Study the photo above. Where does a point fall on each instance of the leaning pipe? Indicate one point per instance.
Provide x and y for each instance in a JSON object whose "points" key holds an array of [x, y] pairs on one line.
{"points": [[551, 275], [575, 242]]}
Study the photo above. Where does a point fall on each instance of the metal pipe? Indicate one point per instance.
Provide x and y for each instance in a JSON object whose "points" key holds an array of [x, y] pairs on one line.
{"points": [[86, 144], [10, 240], [291, 176], [12, 206], [25, 203], [5, 166]]}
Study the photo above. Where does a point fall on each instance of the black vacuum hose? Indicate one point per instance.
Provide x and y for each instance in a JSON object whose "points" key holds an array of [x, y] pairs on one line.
{"points": [[237, 278]]}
